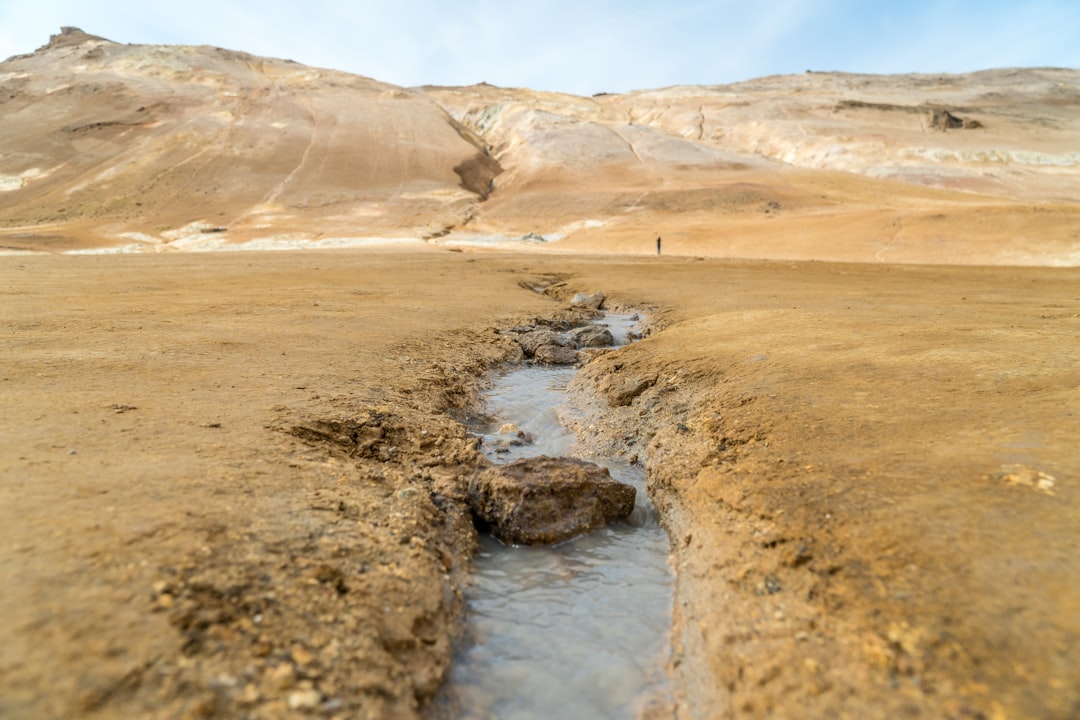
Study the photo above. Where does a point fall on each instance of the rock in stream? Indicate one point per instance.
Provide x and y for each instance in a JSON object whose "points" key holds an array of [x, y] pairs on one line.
{"points": [[546, 500]]}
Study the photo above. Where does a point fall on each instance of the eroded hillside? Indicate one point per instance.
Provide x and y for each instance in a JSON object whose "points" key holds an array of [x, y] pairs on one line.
{"points": [[149, 148], [112, 144]]}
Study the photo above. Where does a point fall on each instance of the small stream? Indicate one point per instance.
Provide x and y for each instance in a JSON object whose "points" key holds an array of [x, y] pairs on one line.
{"points": [[575, 630]]}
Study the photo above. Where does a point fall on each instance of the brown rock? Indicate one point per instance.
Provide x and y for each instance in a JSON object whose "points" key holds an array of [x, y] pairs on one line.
{"points": [[555, 355], [592, 336], [546, 500], [531, 341], [305, 699], [591, 302], [621, 391]]}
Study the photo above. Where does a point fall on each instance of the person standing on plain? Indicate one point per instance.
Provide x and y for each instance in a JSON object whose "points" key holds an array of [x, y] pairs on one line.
{"points": [[657, 246]]}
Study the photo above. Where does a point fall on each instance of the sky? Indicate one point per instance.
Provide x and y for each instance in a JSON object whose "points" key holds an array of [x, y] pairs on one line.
{"points": [[582, 46]]}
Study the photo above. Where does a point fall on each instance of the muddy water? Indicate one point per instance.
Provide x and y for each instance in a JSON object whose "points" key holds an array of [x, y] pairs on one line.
{"points": [[575, 630]]}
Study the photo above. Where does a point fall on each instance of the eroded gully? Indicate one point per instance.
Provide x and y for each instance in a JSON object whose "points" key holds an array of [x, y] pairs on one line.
{"points": [[575, 630]]}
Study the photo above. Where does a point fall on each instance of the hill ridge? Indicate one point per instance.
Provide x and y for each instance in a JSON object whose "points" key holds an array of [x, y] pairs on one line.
{"points": [[143, 147]]}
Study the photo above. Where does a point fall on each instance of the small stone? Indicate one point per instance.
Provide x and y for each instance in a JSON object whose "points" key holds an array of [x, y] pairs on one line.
{"points": [[300, 655], [282, 677], [510, 435], [224, 680], [622, 391], [305, 699], [1027, 477], [250, 695], [770, 586], [206, 706], [332, 704], [799, 557], [591, 302]]}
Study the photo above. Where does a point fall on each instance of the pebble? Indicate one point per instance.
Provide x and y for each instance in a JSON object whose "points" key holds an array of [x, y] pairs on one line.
{"points": [[305, 699], [282, 677], [301, 655], [250, 695]]}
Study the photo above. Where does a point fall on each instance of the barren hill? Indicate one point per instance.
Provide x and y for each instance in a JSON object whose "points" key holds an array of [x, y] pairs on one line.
{"points": [[156, 148]]}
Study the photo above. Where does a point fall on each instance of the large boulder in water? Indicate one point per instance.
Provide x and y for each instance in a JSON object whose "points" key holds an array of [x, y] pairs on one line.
{"points": [[531, 341], [545, 500], [547, 346], [555, 355], [592, 336]]}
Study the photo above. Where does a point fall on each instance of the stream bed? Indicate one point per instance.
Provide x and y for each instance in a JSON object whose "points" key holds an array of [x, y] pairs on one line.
{"points": [[575, 630]]}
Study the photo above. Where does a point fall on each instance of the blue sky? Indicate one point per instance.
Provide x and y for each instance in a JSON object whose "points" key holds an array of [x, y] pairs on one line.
{"points": [[582, 46]]}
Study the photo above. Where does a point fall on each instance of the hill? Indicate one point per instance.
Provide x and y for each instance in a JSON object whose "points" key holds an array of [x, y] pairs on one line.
{"points": [[140, 148]]}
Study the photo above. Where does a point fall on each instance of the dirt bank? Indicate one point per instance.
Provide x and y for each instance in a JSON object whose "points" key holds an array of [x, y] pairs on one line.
{"points": [[222, 479], [228, 480], [869, 476]]}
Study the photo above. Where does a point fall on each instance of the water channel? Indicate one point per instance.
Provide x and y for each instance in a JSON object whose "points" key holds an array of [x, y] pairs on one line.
{"points": [[575, 630]]}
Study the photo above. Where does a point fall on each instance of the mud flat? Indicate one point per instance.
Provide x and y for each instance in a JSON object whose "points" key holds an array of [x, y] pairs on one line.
{"points": [[230, 482]]}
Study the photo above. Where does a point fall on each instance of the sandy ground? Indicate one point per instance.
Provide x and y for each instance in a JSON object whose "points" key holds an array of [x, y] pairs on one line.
{"points": [[231, 482]]}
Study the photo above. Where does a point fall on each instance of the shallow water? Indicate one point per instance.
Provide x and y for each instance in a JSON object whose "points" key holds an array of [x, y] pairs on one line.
{"points": [[575, 630]]}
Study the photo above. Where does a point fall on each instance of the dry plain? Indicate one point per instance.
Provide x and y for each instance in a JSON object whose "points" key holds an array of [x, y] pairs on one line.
{"points": [[877, 442], [232, 481]]}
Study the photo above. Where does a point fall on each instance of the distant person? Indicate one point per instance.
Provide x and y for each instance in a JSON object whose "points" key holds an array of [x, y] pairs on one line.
{"points": [[657, 246]]}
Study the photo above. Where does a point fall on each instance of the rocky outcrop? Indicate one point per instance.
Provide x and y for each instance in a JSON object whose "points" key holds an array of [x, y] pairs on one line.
{"points": [[546, 500], [944, 120]]}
